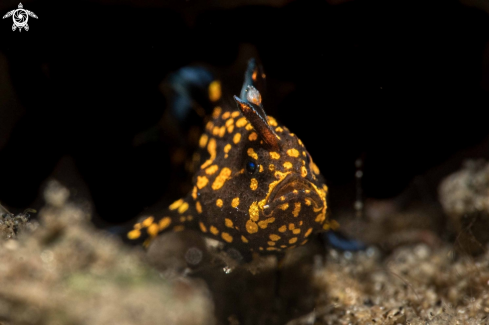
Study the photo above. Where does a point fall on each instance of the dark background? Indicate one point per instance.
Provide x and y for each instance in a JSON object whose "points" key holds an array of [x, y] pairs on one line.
{"points": [[403, 84]]}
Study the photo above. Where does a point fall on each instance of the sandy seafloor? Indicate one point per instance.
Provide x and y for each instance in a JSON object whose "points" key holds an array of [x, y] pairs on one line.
{"points": [[423, 265]]}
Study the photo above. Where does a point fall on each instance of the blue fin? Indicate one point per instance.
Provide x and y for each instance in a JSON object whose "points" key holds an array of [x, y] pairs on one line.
{"points": [[339, 241], [190, 85]]}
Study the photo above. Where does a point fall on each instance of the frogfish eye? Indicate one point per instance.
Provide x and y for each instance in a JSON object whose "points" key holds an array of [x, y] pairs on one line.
{"points": [[251, 167]]}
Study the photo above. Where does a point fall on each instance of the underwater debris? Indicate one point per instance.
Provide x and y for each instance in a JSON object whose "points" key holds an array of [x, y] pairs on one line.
{"points": [[415, 285], [67, 272], [464, 196], [11, 225]]}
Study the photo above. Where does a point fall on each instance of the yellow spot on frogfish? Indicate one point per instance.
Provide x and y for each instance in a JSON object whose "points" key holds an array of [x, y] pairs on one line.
{"points": [[211, 148], [254, 212], [227, 237], [308, 232], [198, 207], [264, 223], [217, 110], [241, 122], [153, 230], [175, 204], [272, 121], [254, 184], [211, 170], [252, 153], [202, 227], [293, 153], [274, 237], [251, 227], [221, 178], [315, 168], [134, 234], [214, 230], [237, 138], [148, 221], [228, 223], [227, 148], [201, 182], [219, 203], [297, 209], [183, 207], [214, 91], [203, 140], [274, 155], [164, 223]]}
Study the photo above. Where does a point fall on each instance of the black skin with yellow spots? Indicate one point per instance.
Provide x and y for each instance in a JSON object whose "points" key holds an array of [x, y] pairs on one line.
{"points": [[257, 188]]}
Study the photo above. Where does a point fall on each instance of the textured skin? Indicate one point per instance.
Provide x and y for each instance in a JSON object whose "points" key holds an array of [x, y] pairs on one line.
{"points": [[276, 207]]}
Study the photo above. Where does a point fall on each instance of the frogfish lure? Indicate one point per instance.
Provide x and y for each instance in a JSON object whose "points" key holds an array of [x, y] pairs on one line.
{"points": [[257, 189]]}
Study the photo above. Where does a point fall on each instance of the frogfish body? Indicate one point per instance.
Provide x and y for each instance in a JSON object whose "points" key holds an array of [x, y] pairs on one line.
{"points": [[257, 188]]}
